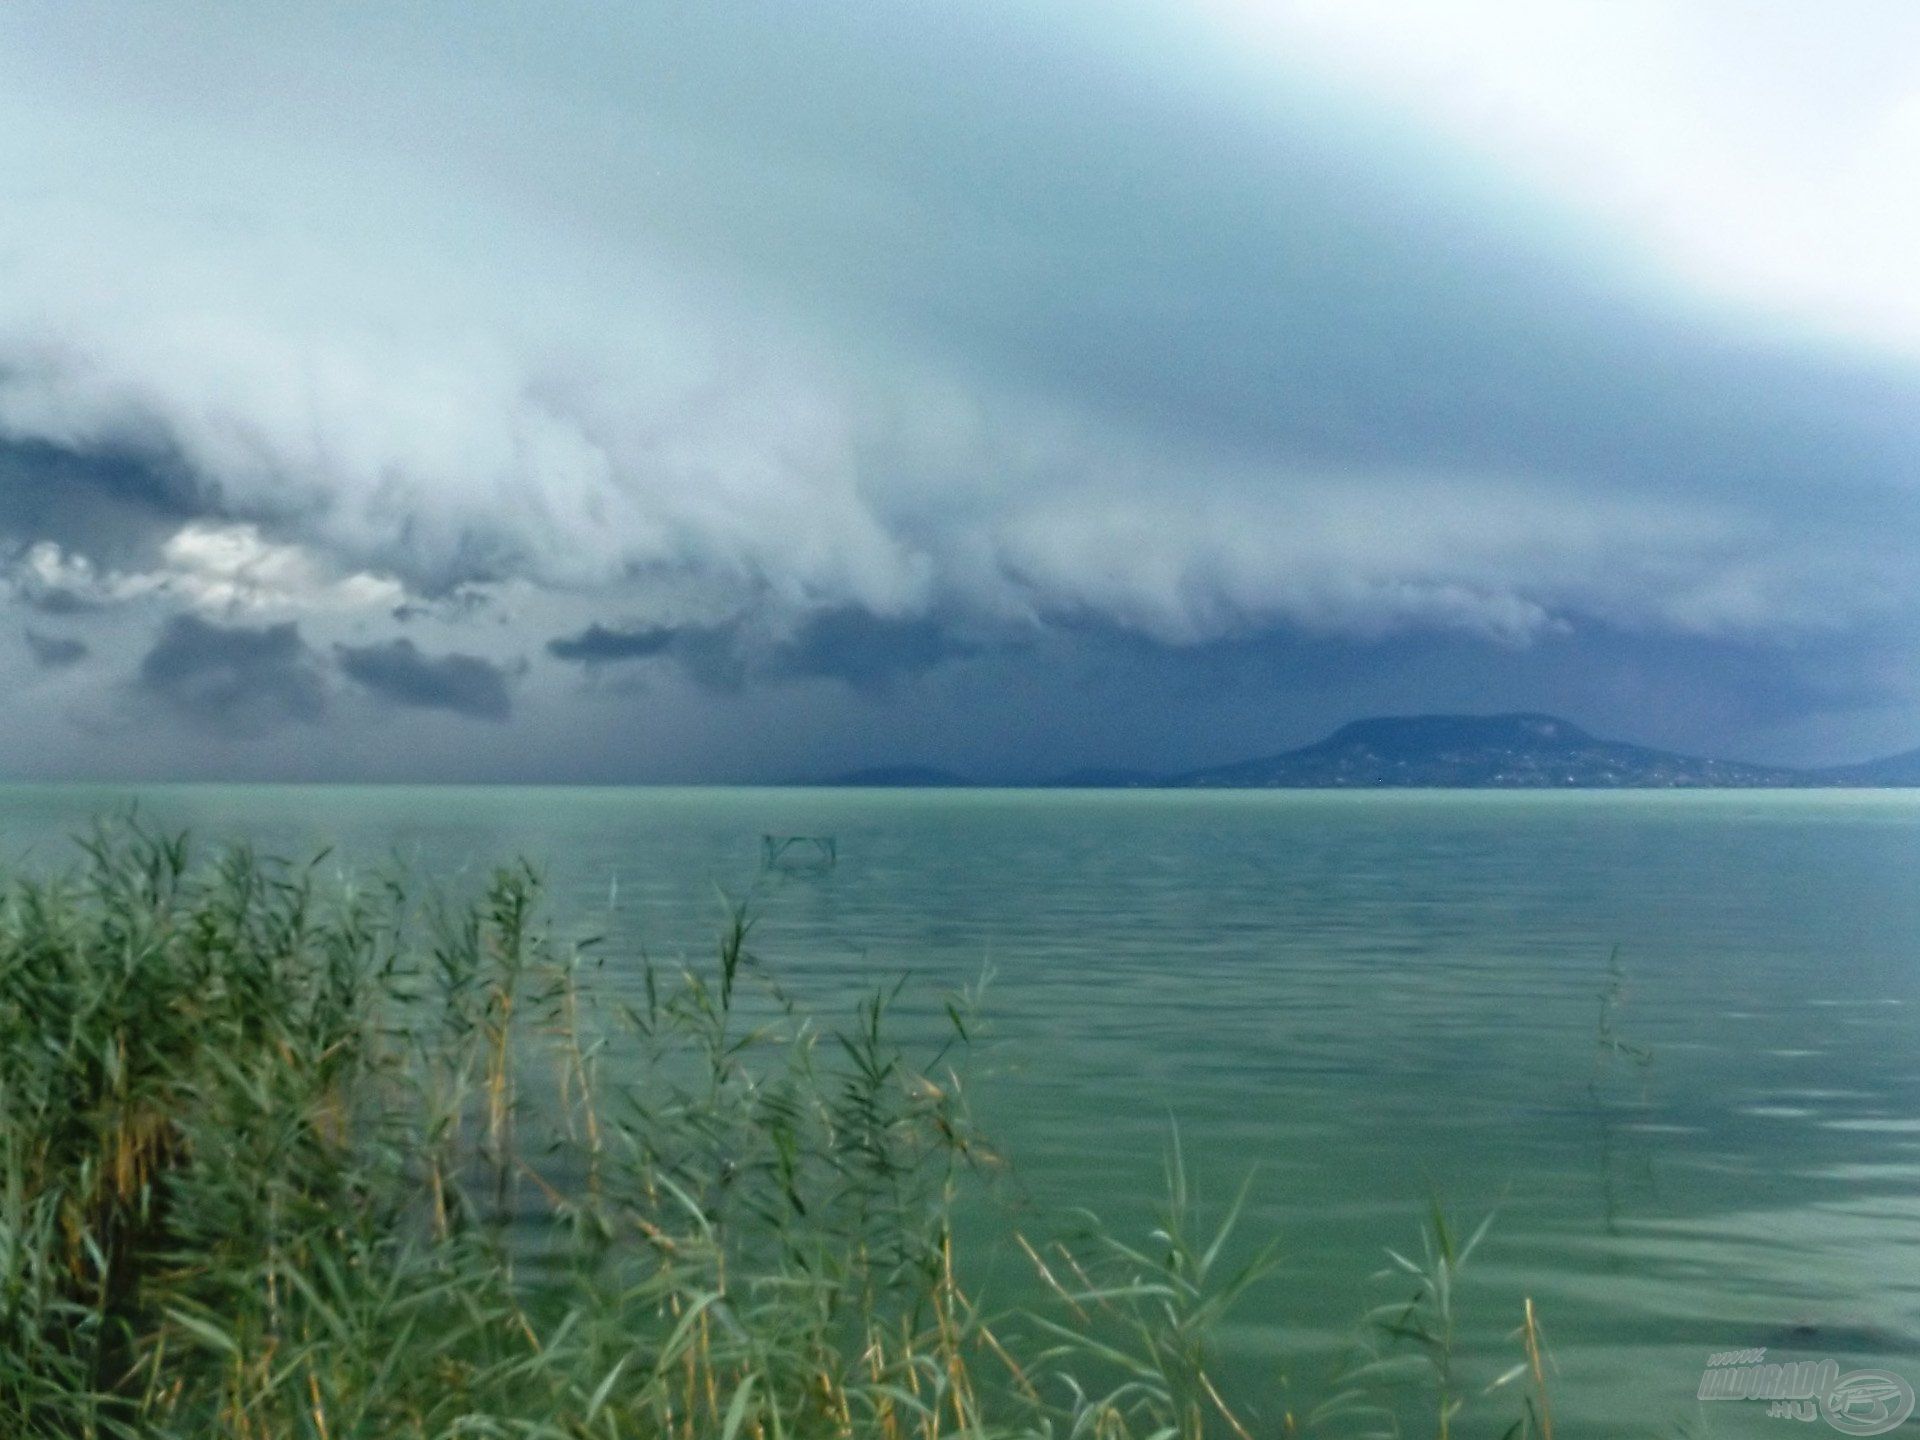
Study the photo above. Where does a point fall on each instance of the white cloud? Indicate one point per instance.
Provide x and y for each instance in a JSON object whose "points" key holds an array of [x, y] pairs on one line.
{"points": [[231, 568], [1504, 560], [46, 573], [422, 313], [1767, 154], [215, 568]]}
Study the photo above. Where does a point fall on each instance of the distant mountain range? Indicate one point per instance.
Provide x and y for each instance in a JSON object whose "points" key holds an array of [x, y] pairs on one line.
{"points": [[1520, 751], [1894, 771], [903, 777]]}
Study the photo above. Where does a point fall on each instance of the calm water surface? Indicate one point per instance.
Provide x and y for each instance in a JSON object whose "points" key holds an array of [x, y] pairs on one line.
{"points": [[1367, 999]]}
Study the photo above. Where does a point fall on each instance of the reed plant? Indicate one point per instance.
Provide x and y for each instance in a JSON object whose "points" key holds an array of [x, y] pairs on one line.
{"points": [[285, 1156]]}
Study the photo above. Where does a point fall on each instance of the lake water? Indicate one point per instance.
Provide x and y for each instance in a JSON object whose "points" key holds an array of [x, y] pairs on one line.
{"points": [[1366, 999]]}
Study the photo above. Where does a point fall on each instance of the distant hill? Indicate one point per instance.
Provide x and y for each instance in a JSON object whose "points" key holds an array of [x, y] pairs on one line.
{"points": [[1894, 771], [1517, 751], [902, 777], [1102, 778]]}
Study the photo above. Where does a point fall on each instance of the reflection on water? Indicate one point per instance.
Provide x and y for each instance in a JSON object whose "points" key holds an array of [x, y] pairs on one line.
{"points": [[1371, 999]]}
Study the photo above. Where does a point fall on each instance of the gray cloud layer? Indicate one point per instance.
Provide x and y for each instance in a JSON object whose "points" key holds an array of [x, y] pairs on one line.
{"points": [[883, 360], [601, 645], [55, 652], [397, 671], [242, 679]]}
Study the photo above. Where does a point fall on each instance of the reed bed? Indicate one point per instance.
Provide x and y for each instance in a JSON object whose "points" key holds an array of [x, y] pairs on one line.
{"points": [[291, 1157]]}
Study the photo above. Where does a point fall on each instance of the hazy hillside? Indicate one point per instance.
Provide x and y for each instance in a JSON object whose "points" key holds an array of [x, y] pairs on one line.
{"points": [[1514, 751], [1534, 751]]}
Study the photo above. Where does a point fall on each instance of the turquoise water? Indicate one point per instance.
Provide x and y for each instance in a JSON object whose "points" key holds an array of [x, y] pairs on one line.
{"points": [[1366, 999]]}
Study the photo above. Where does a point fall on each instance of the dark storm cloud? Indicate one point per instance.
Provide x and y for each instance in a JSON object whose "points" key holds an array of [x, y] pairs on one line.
{"points": [[238, 678], [400, 672], [866, 651], [893, 332], [1077, 303], [56, 600], [720, 657], [603, 645], [55, 652], [717, 657], [1313, 288], [112, 504]]}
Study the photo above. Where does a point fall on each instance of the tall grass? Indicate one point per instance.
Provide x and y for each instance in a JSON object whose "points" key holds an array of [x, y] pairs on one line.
{"points": [[284, 1158]]}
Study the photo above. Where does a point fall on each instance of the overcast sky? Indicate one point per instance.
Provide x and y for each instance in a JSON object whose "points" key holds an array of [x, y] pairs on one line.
{"points": [[715, 390]]}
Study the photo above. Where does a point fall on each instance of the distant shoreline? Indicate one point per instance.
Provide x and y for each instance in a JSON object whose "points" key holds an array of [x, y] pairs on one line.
{"points": [[110, 787], [1521, 752], [1515, 751]]}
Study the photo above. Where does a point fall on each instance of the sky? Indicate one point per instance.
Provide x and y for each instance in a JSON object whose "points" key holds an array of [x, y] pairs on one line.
{"points": [[743, 390]]}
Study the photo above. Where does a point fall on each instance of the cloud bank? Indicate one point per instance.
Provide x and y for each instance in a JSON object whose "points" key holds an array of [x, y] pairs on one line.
{"points": [[397, 671], [888, 369]]}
